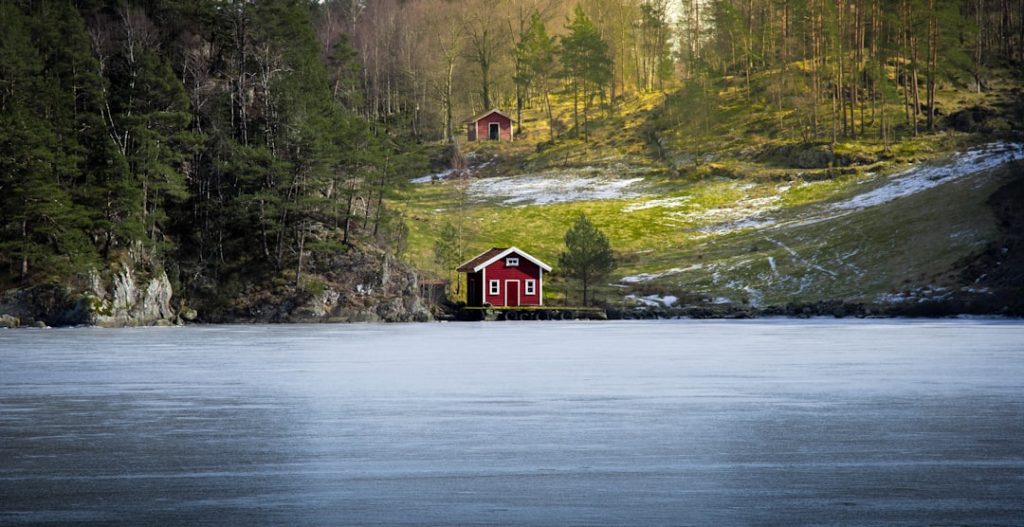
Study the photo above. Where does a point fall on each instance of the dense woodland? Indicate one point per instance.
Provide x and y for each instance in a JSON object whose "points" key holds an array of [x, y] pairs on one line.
{"points": [[221, 139], [200, 136], [834, 65]]}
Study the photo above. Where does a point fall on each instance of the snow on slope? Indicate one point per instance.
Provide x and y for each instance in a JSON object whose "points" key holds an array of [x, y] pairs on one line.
{"points": [[646, 277], [759, 213], [553, 187], [439, 176], [755, 213], [920, 178]]}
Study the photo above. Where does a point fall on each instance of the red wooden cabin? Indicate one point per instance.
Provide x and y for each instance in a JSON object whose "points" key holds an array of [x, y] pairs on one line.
{"points": [[504, 277], [493, 125]]}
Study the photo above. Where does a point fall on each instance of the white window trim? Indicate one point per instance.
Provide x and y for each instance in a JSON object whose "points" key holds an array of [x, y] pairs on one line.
{"points": [[493, 287], [512, 261], [531, 287]]}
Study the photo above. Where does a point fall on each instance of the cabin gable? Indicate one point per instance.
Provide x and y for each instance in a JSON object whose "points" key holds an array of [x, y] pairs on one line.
{"points": [[504, 278], [511, 282], [491, 126]]}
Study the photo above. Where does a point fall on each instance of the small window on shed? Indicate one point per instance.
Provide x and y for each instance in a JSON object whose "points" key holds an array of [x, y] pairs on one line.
{"points": [[493, 284], [531, 286], [512, 261]]}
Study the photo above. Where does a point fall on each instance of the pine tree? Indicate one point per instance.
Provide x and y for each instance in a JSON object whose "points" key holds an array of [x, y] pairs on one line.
{"points": [[535, 55], [588, 256], [40, 228], [446, 249], [587, 64]]}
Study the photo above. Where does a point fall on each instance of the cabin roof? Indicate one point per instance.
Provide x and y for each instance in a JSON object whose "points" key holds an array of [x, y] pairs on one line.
{"points": [[494, 254], [470, 266], [489, 112]]}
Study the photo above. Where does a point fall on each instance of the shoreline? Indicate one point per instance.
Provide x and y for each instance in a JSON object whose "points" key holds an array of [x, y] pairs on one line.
{"points": [[612, 317]]}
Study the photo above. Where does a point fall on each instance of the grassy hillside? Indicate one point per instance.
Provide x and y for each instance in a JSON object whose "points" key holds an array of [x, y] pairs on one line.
{"points": [[734, 207]]}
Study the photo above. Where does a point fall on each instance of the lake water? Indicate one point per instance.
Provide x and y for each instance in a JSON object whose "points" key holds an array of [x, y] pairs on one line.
{"points": [[531, 423]]}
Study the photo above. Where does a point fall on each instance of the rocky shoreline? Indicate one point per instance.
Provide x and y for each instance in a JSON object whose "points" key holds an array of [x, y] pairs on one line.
{"points": [[358, 286], [836, 310]]}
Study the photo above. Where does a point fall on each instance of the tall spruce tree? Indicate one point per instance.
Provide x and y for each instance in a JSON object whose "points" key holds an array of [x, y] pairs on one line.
{"points": [[41, 229], [588, 256], [587, 64], [535, 57]]}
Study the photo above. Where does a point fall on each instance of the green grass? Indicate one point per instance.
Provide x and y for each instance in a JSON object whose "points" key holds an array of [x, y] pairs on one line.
{"points": [[701, 170]]}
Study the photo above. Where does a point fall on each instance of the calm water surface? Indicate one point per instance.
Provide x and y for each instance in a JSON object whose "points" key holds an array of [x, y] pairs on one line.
{"points": [[549, 423]]}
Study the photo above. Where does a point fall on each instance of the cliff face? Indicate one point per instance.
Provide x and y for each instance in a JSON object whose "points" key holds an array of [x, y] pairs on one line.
{"points": [[125, 299], [129, 301], [354, 286]]}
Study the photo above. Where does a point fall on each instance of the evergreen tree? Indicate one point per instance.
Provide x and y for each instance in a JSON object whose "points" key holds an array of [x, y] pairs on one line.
{"points": [[588, 256], [587, 65], [40, 228], [446, 248], [535, 56]]}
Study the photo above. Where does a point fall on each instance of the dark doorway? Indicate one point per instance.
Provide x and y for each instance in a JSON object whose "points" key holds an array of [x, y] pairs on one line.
{"points": [[495, 131]]}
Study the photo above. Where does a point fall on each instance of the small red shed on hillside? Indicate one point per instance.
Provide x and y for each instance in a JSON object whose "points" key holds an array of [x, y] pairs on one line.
{"points": [[504, 277], [494, 125]]}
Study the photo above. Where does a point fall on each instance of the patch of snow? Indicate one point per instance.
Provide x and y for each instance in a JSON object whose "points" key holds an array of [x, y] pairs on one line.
{"points": [[796, 256], [669, 300], [754, 297], [962, 234], [725, 228], [891, 298], [546, 188], [666, 203], [470, 171], [771, 262], [744, 214], [920, 178], [642, 300], [646, 277], [439, 176], [919, 295], [721, 300], [654, 300], [849, 255]]}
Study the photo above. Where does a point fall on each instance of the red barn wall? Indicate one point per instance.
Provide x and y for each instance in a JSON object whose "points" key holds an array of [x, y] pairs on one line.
{"points": [[526, 270], [483, 127]]}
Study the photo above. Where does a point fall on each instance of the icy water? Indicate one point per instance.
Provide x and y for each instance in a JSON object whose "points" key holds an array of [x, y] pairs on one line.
{"points": [[640, 423]]}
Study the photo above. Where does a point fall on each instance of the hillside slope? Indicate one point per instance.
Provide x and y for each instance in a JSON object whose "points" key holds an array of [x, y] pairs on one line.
{"points": [[770, 224]]}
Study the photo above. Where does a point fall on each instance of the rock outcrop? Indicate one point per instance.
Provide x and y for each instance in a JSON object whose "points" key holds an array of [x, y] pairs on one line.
{"points": [[127, 300], [356, 285], [131, 301]]}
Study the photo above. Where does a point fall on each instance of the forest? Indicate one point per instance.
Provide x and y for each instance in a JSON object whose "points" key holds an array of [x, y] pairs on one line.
{"points": [[239, 145]]}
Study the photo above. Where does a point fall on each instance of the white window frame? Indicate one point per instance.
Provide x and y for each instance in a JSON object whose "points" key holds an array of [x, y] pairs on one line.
{"points": [[512, 261], [493, 287], [531, 287]]}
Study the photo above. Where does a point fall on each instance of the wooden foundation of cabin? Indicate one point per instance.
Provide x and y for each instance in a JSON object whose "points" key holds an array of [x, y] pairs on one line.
{"points": [[532, 313]]}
